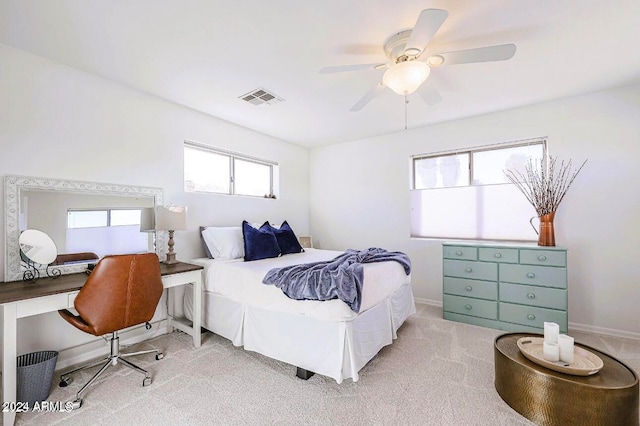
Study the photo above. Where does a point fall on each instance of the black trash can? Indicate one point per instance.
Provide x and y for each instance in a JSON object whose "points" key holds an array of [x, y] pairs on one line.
{"points": [[35, 375]]}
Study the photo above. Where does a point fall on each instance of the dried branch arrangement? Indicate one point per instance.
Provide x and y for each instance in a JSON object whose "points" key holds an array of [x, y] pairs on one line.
{"points": [[544, 187]]}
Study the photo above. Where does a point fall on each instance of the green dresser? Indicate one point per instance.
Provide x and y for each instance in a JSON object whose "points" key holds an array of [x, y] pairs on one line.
{"points": [[513, 287]]}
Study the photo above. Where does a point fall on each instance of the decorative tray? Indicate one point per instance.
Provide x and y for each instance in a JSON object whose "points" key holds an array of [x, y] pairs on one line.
{"points": [[585, 363]]}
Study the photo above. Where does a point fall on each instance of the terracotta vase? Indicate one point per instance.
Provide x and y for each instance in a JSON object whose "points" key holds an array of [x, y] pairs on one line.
{"points": [[546, 236]]}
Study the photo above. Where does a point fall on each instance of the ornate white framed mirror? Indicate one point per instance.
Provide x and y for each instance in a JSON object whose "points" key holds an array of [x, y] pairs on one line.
{"points": [[67, 211]]}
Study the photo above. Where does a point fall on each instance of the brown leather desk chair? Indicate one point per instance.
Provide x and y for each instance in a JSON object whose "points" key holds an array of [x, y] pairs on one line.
{"points": [[122, 291]]}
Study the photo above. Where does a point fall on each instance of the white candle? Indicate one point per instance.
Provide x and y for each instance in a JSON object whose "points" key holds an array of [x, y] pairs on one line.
{"points": [[550, 351], [551, 330], [565, 343]]}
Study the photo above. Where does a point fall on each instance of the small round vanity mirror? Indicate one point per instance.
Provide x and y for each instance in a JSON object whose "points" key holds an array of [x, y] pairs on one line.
{"points": [[38, 247]]}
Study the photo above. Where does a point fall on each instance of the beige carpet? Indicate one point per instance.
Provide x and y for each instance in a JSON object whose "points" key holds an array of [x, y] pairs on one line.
{"points": [[436, 373]]}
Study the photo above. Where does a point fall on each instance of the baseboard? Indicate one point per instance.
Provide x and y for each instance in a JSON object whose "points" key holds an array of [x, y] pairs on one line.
{"points": [[572, 326], [605, 331], [99, 348], [428, 301]]}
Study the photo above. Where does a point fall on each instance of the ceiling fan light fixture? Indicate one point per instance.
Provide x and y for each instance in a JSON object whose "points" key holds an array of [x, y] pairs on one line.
{"points": [[404, 78]]}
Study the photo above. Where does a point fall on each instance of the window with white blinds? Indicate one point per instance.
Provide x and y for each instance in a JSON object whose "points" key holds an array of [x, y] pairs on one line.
{"points": [[466, 195]]}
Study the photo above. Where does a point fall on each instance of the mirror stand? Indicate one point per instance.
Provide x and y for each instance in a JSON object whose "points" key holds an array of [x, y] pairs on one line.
{"points": [[32, 270]]}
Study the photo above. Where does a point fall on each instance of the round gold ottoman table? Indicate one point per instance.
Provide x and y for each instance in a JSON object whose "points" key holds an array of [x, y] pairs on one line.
{"points": [[548, 397]]}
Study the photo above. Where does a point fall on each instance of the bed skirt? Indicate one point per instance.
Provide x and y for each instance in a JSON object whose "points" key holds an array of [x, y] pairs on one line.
{"points": [[337, 349]]}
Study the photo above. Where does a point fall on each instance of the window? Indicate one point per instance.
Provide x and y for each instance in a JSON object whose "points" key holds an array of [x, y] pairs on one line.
{"points": [[106, 217], [87, 218], [208, 169], [481, 166], [123, 217], [441, 171], [466, 195], [106, 231]]}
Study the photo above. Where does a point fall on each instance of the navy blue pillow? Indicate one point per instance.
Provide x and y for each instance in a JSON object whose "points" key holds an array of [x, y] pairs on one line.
{"points": [[259, 243], [287, 240]]}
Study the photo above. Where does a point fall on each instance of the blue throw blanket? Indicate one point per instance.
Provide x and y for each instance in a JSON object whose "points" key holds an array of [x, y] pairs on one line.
{"points": [[338, 278]]}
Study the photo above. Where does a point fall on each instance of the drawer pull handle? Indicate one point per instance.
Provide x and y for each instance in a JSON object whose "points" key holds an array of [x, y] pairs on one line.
{"points": [[467, 307], [531, 275], [531, 296], [497, 255], [531, 317], [542, 258], [468, 269], [468, 288], [458, 253]]}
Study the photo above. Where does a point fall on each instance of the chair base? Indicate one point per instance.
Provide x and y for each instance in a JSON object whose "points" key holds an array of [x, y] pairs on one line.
{"points": [[112, 359]]}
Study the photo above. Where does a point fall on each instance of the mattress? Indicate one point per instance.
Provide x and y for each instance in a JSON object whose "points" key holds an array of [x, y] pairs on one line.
{"points": [[241, 281]]}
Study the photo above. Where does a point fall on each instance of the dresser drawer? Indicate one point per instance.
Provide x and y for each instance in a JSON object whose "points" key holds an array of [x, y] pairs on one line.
{"points": [[532, 316], [495, 254], [544, 297], [534, 275], [471, 288], [469, 306], [543, 257], [470, 269], [460, 252]]}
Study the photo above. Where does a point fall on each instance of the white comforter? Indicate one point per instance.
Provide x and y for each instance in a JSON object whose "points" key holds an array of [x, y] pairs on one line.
{"points": [[242, 281]]}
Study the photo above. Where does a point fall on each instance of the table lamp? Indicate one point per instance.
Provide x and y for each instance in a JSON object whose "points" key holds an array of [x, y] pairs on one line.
{"points": [[171, 218], [148, 219]]}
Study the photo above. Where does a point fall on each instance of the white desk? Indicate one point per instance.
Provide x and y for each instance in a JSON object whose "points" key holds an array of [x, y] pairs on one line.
{"points": [[19, 300]]}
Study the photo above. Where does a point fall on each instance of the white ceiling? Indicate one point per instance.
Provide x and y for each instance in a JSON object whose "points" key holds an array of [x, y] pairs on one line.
{"points": [[204, 54]]}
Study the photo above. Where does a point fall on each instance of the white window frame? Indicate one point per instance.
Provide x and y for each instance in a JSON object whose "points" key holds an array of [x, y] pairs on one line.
{"points": [[470, 152], [232, 156], [473, 211], [107, 238], [108, 210]]}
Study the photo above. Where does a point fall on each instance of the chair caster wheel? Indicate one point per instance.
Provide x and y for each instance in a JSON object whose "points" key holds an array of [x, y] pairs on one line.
{"points": [[64, 382], [146, 381], [76, 404], [159, 356]]}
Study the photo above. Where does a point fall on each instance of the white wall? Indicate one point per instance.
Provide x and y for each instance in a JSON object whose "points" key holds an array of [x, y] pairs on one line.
{"points": [[360, 197], [59, 122]]}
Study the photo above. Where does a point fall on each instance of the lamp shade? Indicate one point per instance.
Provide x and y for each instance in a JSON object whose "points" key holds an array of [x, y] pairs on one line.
{"points": [[147, 219], [171, 218], [404, 78]]}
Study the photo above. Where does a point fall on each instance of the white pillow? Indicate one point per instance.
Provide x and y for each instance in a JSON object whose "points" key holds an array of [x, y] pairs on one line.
{"points": [[224, 242]]}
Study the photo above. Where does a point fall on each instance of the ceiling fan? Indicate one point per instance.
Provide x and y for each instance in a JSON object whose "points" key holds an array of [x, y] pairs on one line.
{"points": [[407, 68]]}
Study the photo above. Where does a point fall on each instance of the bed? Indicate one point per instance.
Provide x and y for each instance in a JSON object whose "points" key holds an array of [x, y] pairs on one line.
{"points": [[323, 337]]}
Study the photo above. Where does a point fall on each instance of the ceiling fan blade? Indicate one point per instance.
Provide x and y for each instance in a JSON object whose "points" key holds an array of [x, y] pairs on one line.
{"points": [[430, 95], [501, 52], [426, 26], [368, 97], [347, 68]]}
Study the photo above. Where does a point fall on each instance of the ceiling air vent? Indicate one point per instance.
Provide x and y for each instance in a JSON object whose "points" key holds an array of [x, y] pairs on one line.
{"points": [[260, 96]]}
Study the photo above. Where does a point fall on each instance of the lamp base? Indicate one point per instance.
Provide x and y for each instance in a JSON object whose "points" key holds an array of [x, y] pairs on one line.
{"points": [[171, 259]]}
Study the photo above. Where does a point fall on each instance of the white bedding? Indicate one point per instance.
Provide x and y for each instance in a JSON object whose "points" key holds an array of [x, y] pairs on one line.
{"points": [[325, 337], [242, 282]]}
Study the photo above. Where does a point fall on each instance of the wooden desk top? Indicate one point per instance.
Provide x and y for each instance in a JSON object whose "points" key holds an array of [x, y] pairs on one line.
{"points": [[178, 268], [20, 290]]}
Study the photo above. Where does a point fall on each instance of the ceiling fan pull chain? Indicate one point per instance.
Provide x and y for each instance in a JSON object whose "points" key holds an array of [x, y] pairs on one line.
{"points": [[406, 101]]}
